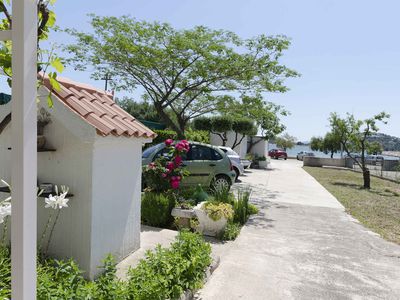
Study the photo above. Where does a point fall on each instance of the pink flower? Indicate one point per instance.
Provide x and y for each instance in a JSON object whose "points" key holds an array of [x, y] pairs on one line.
{"points": [[178, 160], [164, 175], [169, 142], [175, 184], [182, 146], [170, 165], [152, 165]]}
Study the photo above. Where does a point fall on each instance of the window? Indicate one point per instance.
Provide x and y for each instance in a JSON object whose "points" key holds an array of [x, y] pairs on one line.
{"points": [[199, 152]]}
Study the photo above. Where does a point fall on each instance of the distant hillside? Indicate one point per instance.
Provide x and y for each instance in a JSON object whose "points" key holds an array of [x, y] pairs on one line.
{"points": [[388, 142]]}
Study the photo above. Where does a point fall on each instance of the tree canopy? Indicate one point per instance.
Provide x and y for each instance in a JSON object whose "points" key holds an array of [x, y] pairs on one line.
{"points": [[188, 71], [353, 135], [330, 143], [285, 141]]}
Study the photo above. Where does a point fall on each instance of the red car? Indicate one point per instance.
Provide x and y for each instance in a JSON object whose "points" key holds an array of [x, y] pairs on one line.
{"points": [[277, 154]]}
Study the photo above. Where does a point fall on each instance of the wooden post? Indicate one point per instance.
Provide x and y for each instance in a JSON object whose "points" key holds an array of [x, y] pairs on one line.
{"points": [[24, 149]]}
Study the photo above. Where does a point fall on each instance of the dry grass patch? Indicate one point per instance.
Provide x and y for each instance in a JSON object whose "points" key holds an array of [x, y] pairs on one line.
{"points": [[377, 208]]}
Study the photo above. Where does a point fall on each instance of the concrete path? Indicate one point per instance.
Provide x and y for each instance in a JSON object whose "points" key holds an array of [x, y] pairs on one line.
{"points": [[302, 245]]}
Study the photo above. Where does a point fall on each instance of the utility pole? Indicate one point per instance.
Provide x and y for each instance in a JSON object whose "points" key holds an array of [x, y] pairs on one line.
{"points": [[107, 78]]}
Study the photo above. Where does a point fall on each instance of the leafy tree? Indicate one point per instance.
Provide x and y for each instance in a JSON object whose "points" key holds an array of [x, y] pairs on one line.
{"points": [[353, 135], [374, 148], [141, 110], [285, 141], [46, 58], [186, 71], [266, 115], [221, 125], [328, 144]]}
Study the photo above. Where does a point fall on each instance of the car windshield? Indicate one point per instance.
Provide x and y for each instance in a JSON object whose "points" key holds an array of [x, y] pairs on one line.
{"points": [[146, 153]]}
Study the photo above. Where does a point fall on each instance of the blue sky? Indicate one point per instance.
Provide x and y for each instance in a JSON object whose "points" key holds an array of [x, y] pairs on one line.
{"points": [[348, 52]]}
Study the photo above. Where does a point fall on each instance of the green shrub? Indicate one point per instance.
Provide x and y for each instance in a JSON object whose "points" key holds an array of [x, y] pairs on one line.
{"points": [[218, 210], [167, 273], [162, 135], [241, 207], [222, 194], [200, 195], [156, 209], [231, 231], [5, 273], [252, 209], [200, 136]]}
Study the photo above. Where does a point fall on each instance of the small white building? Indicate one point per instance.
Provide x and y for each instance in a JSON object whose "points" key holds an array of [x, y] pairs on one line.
{"points": [[240, 149], [93, 147]]}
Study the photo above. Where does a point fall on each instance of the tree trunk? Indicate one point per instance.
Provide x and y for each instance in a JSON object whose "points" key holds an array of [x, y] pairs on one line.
{"points": [[367, 178], [169, 122], [332, 154], [252, 144]]}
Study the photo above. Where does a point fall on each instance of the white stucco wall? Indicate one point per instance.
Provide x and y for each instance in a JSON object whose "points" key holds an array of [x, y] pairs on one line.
{"points": [[116, 187], [261, 148], [241, 149], [103, 173]]}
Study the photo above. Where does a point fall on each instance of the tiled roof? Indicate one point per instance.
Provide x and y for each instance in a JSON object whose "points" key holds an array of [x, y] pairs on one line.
{"points": [[98, 109]]}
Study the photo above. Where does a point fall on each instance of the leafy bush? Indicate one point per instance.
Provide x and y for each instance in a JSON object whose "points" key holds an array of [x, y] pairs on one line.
{"points": [[252, 209], [218, 210], [231, 231], [167, 273], [261, 158], [222, 194], [156, 209], [241, 207], [200, 195], [200, 136], [162, 135]]}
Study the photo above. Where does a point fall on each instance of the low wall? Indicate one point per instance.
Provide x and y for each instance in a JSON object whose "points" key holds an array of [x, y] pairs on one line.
{"points": [[310, 161]]}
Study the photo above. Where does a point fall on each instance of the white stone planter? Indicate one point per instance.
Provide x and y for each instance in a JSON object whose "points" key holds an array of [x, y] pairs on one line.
{"points": [[208, 226], [263, 164]]}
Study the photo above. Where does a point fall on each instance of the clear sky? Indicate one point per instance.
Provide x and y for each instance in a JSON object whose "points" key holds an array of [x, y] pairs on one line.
{"points": [[348, 52]]}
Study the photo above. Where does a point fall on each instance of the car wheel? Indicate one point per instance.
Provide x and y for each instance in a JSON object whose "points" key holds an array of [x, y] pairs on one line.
{"points": [[285, 158], [221, 182], [237, 173]]}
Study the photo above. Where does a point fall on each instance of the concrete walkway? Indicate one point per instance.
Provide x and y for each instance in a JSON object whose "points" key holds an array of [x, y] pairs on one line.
{"points": [[302, 245]]}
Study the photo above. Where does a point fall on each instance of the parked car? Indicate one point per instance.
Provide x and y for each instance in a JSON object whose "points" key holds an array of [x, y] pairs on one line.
{"points": [[301, 154], [208, 165], [245, 163], [277, 154], [235, 160]]}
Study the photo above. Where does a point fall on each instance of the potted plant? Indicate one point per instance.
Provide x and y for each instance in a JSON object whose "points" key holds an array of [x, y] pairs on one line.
{"points": [[43, 119], [262, 162], [213, 217]]}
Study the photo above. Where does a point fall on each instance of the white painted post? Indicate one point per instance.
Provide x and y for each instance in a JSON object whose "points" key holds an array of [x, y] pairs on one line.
{"points": [[24, 149]]}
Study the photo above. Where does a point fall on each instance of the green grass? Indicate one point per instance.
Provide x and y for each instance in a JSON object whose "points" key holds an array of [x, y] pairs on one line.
{"points": [[377, 208]]}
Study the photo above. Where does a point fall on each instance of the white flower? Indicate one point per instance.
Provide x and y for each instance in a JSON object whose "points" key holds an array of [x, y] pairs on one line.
{"points": [[56, 201], [5, 210]]}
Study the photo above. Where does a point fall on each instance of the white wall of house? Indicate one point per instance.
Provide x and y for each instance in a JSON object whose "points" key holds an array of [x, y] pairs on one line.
{"points": [[103, 173], [241, 149], [260, 148], [116, 187]]}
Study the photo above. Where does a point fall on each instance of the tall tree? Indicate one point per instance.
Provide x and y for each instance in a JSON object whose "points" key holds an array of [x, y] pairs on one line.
{"points": [[266, 115], [222, 125], [186, 71], [330, 143], [285, 141], [353, 135], [141, 110]]}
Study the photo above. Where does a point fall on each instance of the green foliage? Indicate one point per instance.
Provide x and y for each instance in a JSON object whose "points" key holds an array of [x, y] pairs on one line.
{"points": [[203, 124], [261, 158], [140, 110], [200, 136], [156, 209], [223, 195], [285, 141], [199, 195], [353, 135], [328, 144], [252, 209], [221, 123], [241, 207], [167, 273], [231, 232], [183, 72], [163, 274], [374, 148], [162, 135], [218, 210]]}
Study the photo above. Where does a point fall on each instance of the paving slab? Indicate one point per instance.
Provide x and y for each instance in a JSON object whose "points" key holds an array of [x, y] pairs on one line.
{"points": [[302, 245]]}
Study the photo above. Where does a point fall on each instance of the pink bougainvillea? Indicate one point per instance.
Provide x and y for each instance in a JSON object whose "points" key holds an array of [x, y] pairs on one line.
{"points": [[167, 172]]}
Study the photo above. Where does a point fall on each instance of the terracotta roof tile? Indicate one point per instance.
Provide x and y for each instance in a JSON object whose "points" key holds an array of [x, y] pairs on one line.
{"points": [[98, 109]]}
